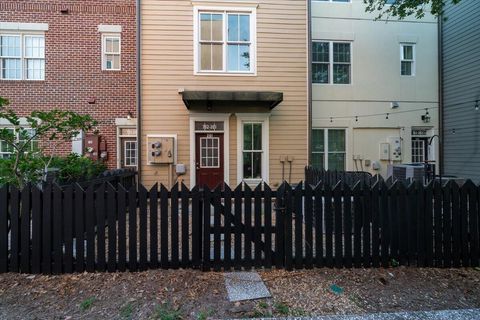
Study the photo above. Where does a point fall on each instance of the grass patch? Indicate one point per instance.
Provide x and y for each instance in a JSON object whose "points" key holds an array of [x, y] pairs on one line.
{"points": [[87, 303], [166, 312], [281, 308], [204, 314], [127, 310]]}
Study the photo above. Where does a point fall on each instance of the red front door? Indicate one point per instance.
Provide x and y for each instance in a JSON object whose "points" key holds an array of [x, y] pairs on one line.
{"points": [[209, 159]]}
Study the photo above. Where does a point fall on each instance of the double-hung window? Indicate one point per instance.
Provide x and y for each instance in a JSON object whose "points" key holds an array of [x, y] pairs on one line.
{"points": [[253, 147], [407, 59], [111, 55], [225, 41], [22, 136], [252, 150], [331, 62], [22, 57], [328, 149]]}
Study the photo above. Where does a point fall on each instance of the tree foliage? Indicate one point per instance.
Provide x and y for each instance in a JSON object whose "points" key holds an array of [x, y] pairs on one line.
{"points": [[55, 126], [405, 8]]}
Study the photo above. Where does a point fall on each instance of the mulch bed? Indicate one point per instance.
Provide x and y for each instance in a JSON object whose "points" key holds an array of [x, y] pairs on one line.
{"points": [[191, 294]]}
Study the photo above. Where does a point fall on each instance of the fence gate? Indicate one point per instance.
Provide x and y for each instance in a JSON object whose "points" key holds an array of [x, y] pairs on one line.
{"points": [[239, 228]]}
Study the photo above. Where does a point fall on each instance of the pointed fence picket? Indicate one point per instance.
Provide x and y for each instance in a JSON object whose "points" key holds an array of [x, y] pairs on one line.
{"points": [[111, 228]]}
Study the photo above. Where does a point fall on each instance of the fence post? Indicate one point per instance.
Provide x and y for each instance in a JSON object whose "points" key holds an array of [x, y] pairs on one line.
{"points": [[3, 229], [25, 229], [279, 226], [196, 227], [206, 228]]}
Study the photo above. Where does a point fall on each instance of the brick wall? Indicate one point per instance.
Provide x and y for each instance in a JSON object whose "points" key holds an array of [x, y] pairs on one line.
{"points": [[73, 72]]}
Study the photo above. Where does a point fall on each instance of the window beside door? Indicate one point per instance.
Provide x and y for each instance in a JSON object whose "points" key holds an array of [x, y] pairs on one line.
{"points": [[225, 41], [253, 144], [252, 150], [328, 149]]}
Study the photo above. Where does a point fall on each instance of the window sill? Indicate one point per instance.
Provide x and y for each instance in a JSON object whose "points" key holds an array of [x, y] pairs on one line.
{"points": [[21, 80], [227, 74]]}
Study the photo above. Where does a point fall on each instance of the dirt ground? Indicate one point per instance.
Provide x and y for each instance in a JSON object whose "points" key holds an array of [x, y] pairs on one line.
{"points": [[190, 294]]}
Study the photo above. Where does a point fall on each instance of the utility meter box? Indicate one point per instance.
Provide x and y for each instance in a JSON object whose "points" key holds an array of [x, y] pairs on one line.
{"points": [[161, 150], [395, 148], [384, 151]]}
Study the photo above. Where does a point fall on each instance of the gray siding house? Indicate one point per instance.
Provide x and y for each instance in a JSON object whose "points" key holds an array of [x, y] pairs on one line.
{"points": [[460, 85]]}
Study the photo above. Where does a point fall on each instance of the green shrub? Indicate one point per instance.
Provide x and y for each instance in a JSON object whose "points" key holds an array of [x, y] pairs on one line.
{"points": [[73, 168]]}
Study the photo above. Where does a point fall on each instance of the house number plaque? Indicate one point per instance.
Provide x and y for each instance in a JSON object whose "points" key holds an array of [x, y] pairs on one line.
{"points": [[208, 125]]}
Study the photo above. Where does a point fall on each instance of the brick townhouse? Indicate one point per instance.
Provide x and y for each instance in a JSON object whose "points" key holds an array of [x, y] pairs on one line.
{"points": [[79, 56]]}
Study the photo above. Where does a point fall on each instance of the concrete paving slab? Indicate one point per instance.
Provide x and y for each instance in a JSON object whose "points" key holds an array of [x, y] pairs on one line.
{"points": [[245, 286]]}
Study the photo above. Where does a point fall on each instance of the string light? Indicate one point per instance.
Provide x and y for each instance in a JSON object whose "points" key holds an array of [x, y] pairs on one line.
{"points": [[386, 116], [356, 118], [426, 112], [476, 105], [453, 131], [352, 117]]}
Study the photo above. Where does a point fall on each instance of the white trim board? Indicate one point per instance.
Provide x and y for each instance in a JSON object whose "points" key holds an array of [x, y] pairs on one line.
{"points": [[18, 26], [109, 28], [264, 118], [225, 117]]}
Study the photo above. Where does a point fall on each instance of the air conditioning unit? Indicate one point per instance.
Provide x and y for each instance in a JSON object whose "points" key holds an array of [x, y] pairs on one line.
{"points": [[402, 172]]}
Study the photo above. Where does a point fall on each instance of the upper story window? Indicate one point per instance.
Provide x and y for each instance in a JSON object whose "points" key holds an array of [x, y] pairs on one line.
{"points": [[22, 57], [407, 59], [225, 41], [331, 62], [111, 52]]}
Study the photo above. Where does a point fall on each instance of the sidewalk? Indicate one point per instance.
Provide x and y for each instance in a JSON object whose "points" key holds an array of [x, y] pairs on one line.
{"points": [[461, 314]]}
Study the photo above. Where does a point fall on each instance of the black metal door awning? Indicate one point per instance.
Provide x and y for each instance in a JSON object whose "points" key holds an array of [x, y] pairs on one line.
{"points": [[231, 101]]}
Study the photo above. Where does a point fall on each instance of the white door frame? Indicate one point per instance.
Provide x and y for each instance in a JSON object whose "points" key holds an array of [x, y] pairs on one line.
{"points": [[225, 117]]}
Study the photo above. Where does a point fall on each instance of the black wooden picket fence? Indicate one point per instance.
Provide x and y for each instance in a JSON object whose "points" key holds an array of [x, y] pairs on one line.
{"points": [[63, 230], [332, 177]]}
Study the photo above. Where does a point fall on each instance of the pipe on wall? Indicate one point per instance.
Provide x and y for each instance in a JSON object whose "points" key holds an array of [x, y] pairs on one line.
{"points": [[139, 93]]}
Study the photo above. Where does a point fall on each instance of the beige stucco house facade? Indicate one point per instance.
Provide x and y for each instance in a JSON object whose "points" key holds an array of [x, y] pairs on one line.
{"points": [[375, 88], [224, 91]]}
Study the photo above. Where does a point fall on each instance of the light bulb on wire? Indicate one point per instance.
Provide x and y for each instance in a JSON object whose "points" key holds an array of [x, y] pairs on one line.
{"points": [[386, 116], [476, 105]]}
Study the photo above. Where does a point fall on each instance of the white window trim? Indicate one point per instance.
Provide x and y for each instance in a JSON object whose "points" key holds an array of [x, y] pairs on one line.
{"points": [[326, 151], [263, 118], [104, 53], [331, 63], [414, 60], [218, 146], [332, 1], [23, 58], [253, 39], [225, 117], [125, 153], [17, 138], [123, 123]]}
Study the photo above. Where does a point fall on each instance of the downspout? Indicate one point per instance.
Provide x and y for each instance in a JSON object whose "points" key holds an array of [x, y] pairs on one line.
{"points": [[309, 80], [440, 95], [139, 93]]}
